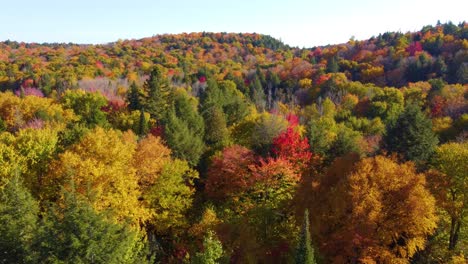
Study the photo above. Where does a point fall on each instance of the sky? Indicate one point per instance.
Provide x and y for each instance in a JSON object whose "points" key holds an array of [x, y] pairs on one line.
{"points": [[296, 22]]}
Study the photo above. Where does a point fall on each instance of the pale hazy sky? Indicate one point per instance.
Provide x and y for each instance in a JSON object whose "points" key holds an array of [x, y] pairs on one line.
{"points": [[297, 22]]}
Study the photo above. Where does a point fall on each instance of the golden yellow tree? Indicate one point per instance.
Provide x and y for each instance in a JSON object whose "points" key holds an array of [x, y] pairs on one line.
{"points": [[32, 111], [149, 159], [100, 168]]}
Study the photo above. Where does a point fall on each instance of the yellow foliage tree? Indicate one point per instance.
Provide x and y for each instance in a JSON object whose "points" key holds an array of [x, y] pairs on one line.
{"points": [[19, 112], [170, 197], [450, 185], [149, 160], [27, 154], [100, 168]]}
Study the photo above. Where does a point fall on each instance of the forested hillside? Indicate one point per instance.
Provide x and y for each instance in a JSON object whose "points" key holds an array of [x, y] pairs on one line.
{"points": [[236, 148]]}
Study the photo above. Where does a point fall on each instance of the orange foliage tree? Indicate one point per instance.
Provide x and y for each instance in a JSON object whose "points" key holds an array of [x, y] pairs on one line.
{"points": [[376, 211], [229, 173]]}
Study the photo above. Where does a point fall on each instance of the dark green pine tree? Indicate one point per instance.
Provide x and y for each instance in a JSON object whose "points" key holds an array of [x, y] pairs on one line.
{"points": [[183, 141], [142, 124], [159, 94], [216, 133], [73, 232], [18, 223], [412, 136], [134, 96], [332, 65], [304, 251]]}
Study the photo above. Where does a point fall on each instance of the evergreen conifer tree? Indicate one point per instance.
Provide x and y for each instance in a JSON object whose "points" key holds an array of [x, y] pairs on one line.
{"points": [[134, 97], [332, 65], [216, 133], [159, 94], [143, 124], [73, 232], [412, 135], [18, 223], [183, 141], [305, 252], [212, 250]]}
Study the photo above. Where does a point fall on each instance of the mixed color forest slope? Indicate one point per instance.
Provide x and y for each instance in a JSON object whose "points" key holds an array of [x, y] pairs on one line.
{"points": [[236, 148]]}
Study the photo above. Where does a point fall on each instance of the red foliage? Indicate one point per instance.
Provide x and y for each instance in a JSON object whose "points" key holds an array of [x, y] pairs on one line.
{"points": [[170, 72], [28, 83], [230, 173], [290, 146], [317, 52], [438, 104], [180, 252], [275, 172], [322, 78], [157, 131], [114, 105], [414, 47], [292, 119], [99, 65]]}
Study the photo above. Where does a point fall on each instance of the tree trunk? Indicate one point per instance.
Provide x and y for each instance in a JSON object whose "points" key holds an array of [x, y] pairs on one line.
{"points": [[454, 231]]}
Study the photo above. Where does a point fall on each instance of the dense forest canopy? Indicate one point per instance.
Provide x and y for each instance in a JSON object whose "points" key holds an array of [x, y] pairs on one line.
{"points": [[236, 148]]}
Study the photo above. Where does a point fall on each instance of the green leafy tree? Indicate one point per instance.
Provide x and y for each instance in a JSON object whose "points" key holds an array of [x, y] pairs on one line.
{"points": [[29, 153], [87, 106], [412, 135], [347, 140], [186, 109], [322, 133], [170, 197], [212, 95], [212, 250], [387, 103], [18, 223], [304, 251], [451, 189], [235, 105]]}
